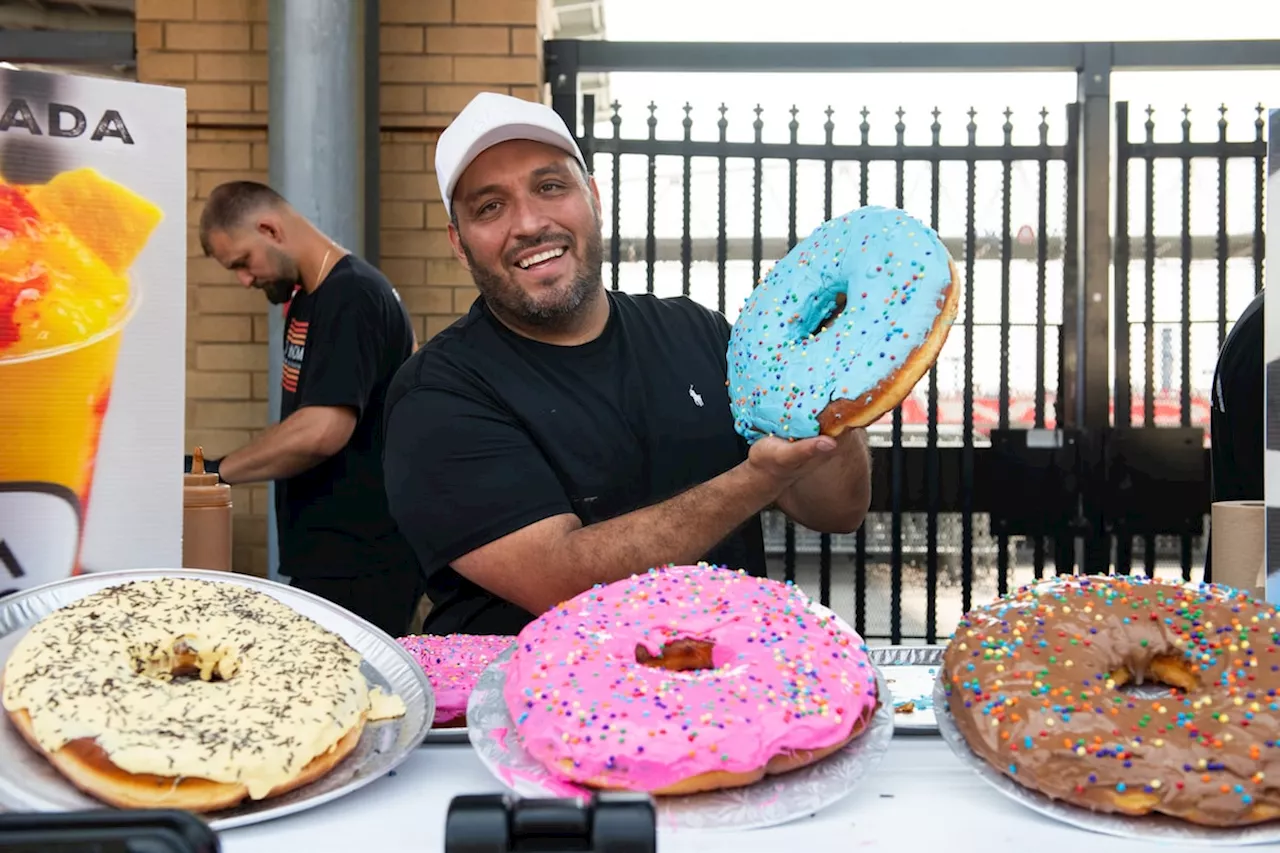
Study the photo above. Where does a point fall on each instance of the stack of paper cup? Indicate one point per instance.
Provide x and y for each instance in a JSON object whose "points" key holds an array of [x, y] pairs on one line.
{"points": [[1240, 545]]}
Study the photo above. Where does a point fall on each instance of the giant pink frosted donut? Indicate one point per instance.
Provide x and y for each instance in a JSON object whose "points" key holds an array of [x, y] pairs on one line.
{"points": [[788, 684], [453, 663]]}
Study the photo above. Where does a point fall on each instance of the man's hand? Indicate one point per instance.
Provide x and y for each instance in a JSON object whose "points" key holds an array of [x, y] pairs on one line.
{"points": [[784, 462], [832, 492]]}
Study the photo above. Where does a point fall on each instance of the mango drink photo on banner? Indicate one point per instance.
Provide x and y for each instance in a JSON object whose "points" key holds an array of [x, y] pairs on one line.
{"points": [[92, 297], [65, 297]]}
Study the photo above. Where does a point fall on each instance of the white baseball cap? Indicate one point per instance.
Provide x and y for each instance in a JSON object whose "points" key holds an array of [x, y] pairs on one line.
{"points": [[491, 118]]}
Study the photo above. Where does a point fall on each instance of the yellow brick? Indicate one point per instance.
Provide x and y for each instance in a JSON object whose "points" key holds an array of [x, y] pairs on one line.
{"points": [[528, 93], [217, 385], [524, 41], [261, 386], [467, 40], [405, 244], [419, 11], [409, 185], [207, 271], [462, 299], [403, 272], [207, 180], [219, 155], [260, 39], [402, 214], [497, 12], [437, 324], [261, 328], [450, 99], [261, 95], [219, 97], [261, 158], [220, 328], [148, 35], [223, 414], [229, 299], [216, 442], [207, 37], [164, 10], [231, 10], [436, 216], [260, 500], [248, 530], [427, 300], [447, 272], [401, 99], [231, 356], [416, 69], [232, 67], [165, 67], [400, 39], [512, 70], [403, 157]]}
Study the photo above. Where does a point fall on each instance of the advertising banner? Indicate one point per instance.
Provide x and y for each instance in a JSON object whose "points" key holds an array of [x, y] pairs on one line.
{"points": [[1271, 349], [92, 325]]}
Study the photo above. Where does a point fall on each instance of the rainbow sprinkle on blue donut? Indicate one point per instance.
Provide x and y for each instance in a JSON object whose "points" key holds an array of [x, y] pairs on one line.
{"points": [[784, 367]]}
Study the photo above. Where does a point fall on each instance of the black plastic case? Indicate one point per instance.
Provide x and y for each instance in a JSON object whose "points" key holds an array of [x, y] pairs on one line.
{"points": [[106, 831]]}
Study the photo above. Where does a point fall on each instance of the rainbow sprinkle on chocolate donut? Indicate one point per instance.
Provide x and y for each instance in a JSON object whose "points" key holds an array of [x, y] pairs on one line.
{"points": [[783, 677], [885, 272]]}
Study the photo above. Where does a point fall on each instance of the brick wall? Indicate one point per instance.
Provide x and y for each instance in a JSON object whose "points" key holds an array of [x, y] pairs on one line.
{"points": [[435, 55]]}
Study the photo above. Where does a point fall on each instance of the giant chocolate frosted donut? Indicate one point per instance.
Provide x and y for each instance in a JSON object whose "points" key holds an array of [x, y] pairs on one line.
{"points": [[1033, 682], [842, 328]]}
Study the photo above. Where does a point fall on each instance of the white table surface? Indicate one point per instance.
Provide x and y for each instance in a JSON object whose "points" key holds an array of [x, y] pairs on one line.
{"points": [[918, 798]]}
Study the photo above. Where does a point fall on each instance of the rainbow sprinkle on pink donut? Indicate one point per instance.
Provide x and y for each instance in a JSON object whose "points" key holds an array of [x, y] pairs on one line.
{"points": [[453, 663], [785, 678]]}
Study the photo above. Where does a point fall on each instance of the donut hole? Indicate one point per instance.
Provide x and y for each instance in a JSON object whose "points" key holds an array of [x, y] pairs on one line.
{"points": [[832, 315], [178, 662], [1164, 677], [682, 655]]}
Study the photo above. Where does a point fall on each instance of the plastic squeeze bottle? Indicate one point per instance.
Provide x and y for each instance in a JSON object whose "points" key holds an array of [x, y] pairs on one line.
{"points": [[206, 519]]}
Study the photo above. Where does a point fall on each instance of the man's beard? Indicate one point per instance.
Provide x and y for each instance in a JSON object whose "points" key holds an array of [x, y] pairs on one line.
{"points": [[278, 291], [508, 299]]}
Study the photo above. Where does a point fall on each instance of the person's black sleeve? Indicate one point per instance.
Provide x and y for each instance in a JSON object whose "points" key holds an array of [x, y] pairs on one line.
{"points": [[461, 472], [1237, 419], [344, 348]]}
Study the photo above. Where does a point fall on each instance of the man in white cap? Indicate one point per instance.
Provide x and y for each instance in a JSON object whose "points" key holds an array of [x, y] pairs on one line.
{"points": [[560, 434]]}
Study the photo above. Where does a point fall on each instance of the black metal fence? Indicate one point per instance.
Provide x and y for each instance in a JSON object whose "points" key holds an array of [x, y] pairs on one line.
{"points": [[978, 484]]}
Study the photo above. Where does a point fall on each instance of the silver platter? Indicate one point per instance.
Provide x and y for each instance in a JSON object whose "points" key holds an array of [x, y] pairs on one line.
{"points": [[1148, 828], [910, 672], [454, 735], [771, 801], [30, 783]]}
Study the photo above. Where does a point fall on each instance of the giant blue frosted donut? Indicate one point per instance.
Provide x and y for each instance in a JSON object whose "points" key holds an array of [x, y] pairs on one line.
{"points": [[842, 328]]}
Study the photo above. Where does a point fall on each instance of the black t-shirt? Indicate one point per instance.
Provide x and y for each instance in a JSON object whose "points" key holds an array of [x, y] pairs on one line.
{"points": [[488, 432], [343, 344], [1236, 414]]}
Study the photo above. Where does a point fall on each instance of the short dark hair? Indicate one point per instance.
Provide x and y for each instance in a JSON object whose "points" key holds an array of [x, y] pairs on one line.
{"points": [[230, 204]]}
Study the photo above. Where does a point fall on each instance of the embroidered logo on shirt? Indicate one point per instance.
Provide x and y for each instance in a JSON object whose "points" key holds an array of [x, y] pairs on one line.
{"points": [[295, 349], [697, 398]]}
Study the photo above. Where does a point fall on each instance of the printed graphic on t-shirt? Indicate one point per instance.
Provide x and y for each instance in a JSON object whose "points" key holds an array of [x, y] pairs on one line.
{"points": [[295, 349]]}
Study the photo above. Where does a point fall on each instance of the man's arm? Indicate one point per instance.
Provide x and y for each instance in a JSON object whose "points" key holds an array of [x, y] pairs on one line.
{"points": [[298, 443], [572, 558], [834, 497]]}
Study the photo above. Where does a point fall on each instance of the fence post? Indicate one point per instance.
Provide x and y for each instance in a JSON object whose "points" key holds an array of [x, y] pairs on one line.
{"points": [[561, 67], [1092, 344]]}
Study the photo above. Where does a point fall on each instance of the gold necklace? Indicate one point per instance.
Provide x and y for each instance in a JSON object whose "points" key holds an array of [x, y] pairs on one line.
{"points": [[320, 275]]}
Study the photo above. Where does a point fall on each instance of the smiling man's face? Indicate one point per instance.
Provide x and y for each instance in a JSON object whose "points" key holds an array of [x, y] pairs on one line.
{"points": [[527, 226]]}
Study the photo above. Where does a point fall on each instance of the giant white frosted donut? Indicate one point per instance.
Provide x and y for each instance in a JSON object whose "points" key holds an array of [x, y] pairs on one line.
{"points": [[189, 694], [843, 327]]}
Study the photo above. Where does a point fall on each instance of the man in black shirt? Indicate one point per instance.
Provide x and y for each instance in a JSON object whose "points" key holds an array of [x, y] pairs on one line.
{"points": [[561, 435], [1236, 414], [346, 335]]}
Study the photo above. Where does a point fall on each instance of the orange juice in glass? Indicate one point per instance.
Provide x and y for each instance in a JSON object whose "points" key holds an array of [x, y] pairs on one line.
{"points": [[65, 298]]}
